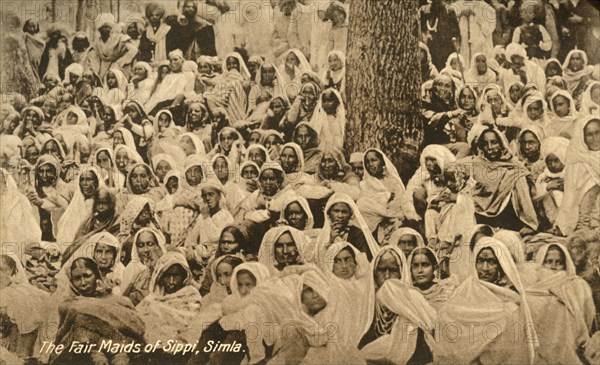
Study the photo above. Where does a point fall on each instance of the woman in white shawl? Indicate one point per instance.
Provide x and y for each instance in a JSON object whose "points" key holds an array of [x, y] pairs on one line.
{"points": [[104, 161], [427, 182], [24, 305], [582, 177], [401, 328], [16, 211], [149, 245], [495, 283], [73, 119], [349, 226], [123, 136], [229, 143], [563, 115], [293, 65], [455, 68], [80, 207], [576, 72], [162, 163], [590, 101], [329, 119], [229, 92], [191, 144], [283, 249], [114, 89], [382, 190], [335, 74], [292, 161], [141, 83], [480, 73], [203, 239], [173, 300], [173, 87], [270, 82], [549, 186]]}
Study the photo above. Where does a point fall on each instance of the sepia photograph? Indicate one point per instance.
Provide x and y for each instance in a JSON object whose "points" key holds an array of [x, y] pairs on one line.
{"points": [[326, 182]]}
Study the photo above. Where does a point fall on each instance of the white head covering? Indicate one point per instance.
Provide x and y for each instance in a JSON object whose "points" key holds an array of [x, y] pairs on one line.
{"points": [[515, 49], [105, 19], [160, 239], [556, 146], [310, 221], [323, 241], [196, 141], [372, 183], [266, 253], [589, 106], [540, 256], [328, 133], [260, 272], [243, 69]]}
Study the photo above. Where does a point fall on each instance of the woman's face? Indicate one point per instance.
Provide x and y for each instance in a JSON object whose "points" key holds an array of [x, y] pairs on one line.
{"points": [[267, 76], [224, 271], [246, 282], [535, 110], [303, 138], [232, 63], [289, 160], [122, 160], [487, 266], [330, 103], [88, 184], [47, 175], [187, 145], [103, 205], [495, 101], [257, 156], [32, 27], [175, 63], [387, 268], [249, 172], [104, 255], [84, 281], [561, 106], [467, 99], [591, 135], [254, 138], [227, 139], [194, 175], [273, 140], [162, 169], [443, 87], [148, 249], [111, 80], [221, 169], [204, 68], [71, 118], [52, 148], [118, 139], [172, 185], [31, 154], [340, 214], [553, 69], [492, 148], [140, 72], [481, 64], [344, 264], [164, 120], [133, 112], [195, 113], [172, 280], [407, 243], [309, 93], [139, 180], [374, 164], [33, 118], [296, 216], [211, 197], [328, 165], [277, 107], [312, 302], [555, 259], [228, 244], [576, 62], [530, 146], [291, 60], [269, 182], [554, 164], [88, 78], [285, 250], [335, 64], [422, 271]]}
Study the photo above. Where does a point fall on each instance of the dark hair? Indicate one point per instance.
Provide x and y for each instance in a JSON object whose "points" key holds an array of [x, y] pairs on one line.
{"points": [[8, 261], [238, 235], [247, 272], [563, 256], [423, 251], [87, 263], [484, 230], [231, 260], [349, 250], [29, 21], [480, 140]]}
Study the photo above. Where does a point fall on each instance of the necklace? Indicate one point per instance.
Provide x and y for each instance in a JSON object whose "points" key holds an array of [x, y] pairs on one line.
{"points": [[432, 28]]}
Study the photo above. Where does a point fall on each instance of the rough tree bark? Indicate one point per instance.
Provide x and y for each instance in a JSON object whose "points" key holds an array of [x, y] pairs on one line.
{"points": [[383, 79]]}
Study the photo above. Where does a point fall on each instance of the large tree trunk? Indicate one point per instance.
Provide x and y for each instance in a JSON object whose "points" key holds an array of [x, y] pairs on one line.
{"points": [[383, 79]]}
